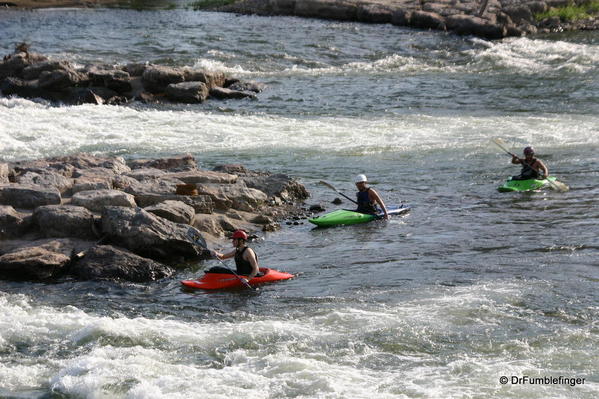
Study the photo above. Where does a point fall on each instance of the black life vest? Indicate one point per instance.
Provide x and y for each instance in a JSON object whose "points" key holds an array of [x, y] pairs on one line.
{"points": [[243, 266], [364, 203], [528, 172]]}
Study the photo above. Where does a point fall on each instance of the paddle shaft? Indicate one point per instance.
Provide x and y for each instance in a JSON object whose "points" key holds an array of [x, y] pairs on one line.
{"points": [[244, 281]]}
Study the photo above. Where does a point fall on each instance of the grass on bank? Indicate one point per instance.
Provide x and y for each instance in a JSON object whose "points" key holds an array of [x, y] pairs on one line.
{"points": [[204, 4], [571, 12]]}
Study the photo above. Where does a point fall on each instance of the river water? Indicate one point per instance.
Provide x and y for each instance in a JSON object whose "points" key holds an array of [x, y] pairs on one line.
{"points": [[471, 286]]}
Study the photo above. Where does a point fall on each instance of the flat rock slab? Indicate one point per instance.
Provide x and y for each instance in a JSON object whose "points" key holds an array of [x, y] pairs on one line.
{"points": [[64, 221], [98, 199], [107, 262], [28, 196], [32, 264], [175, 211]]}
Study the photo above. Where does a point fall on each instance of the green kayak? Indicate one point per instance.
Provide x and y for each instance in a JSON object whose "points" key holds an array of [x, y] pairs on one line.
{"points": [[347, 217], [525, 185]]}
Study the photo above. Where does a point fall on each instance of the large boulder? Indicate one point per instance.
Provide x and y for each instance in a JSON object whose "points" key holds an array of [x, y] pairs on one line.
{"points": [[34, 71], [28, 196], [237, 196], [47, 179], [87, 183], [470, 25], [4, 173], [98, 199], [59, 79], [112, 78], [427, 20], [156, 78], [64, 221], [108, 262], [187, 92], [200, 203], [256, 87], [205, 176], [88, 161], [148, 235], [222, 93], [374, 13], [278, 185], [13, 65], [176, 163], [11, 222], [22, 88], [33, 263], [210, 79], [175, 211]]}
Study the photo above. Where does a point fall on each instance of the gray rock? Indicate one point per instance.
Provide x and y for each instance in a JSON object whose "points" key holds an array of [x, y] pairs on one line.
{"points": [[87, 161], [33, 71], [519, 13], [147, 234], [256, 87], [156, 78], [222, 94], [427, 20], [22, 88], [58, 80], [4, 173], [204, 176], [84, 95], [28, 196], [183, 162], [211, 79], [401, 17], [14, 65], [470, 25], [175, 211], [64, 221], [114, 79], [237, 196], [135, 69], [108, 262], [374, 13], [11, 222], [87, 184], [278, 185], [46, 179], [146, 174], [32, 264], [98, 199], [187, 92], [200, 203]]}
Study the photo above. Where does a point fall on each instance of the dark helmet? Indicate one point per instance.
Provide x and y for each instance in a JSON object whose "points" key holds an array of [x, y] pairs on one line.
{"points": [[529, 151], [240, 234]]}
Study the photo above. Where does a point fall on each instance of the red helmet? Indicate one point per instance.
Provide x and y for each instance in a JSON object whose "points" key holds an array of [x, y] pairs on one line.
{"points": [[240, 234], [529, 150]]}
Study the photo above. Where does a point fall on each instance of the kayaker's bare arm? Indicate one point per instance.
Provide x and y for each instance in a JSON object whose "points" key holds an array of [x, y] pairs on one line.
{"points": [[222, 256], [543, 168], [374, 197]]}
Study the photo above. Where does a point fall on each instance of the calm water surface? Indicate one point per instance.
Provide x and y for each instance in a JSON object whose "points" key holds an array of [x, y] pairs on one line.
{"points": [[470, 286]]}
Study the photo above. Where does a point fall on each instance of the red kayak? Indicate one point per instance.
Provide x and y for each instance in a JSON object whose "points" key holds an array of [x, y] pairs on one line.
{"points": [[220, 280]]}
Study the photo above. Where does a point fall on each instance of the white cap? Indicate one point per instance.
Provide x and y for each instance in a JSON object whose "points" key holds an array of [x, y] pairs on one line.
{"points": [[361, 178]]}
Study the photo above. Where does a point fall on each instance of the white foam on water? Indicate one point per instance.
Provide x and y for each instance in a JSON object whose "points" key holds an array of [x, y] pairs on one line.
{"points": [[32, 130], [534, 56], [450, 342]]}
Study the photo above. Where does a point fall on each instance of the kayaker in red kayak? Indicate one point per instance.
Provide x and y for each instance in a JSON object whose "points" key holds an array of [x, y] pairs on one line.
{"points": [[246, 259], [368, 198], [532, 168]]}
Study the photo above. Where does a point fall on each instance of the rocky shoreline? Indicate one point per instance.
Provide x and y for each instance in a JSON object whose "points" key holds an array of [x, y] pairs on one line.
{"points": [[90, 217], [491, 19], [32, 75]]}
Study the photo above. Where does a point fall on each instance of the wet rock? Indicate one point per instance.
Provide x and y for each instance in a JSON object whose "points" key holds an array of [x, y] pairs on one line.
{"points": [[223, 94], [210, 79], [277, 185], [470, 25], [108, 262], [175, 211], [237, 196], [146, 174], [374, 13], [232, 169], [146, 234], [401, 17], [255, 87], [13, 65], [184, 162], [11, 222], [271, 227], [46, 179], [156, 78], [88, 184], [82, 161], [98, 199], [427, 20], [112, 78], [204, 176], [262, 219], [187, 92], [33, 71], [4, 173], [58, 80], [28, 196], [64, 221], [135, 69], [337, 201], [22, 88], [84, 95], [32, 264], [317, 208]]}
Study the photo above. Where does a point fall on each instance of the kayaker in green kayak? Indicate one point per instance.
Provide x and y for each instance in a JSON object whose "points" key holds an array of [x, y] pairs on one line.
{"points": [[532, 168], [246, 259], [368, 198]]}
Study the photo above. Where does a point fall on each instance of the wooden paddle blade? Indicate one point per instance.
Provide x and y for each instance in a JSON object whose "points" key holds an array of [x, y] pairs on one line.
{"points": [[324, 183], [559, 186]]}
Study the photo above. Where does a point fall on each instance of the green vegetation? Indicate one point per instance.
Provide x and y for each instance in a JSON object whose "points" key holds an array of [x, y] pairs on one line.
{"points": [[204, 4], [571, 12]]}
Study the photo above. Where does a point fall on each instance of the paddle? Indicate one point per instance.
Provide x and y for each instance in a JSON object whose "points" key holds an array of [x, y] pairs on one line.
{"points": [[559, 186], [337, 191], [199, 241]]}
